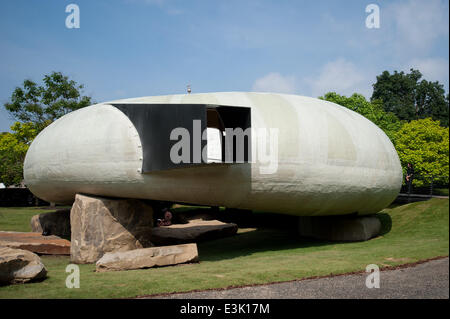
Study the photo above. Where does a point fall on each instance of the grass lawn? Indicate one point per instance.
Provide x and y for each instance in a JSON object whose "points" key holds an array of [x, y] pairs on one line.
{"points": [[411, 232], [18, 218]]}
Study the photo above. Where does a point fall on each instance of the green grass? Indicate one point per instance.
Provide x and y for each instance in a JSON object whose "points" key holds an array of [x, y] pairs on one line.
{"points": [[411, 232], [18, 218]]}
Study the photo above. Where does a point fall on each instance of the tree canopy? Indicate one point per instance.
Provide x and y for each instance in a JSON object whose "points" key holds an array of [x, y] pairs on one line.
{"points": [[425, 144], [13, 148], [410, 97], [42, 104]]}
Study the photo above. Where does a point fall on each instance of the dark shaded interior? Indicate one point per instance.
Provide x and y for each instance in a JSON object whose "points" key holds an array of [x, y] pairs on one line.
{"points": [[155, 122]]}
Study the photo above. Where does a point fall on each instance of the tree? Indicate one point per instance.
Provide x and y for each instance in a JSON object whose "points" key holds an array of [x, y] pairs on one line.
{"points": [[35, 106], [13, 147], [373, 111], [42, 104], [425, 144], [411, 98], [432, 102]]}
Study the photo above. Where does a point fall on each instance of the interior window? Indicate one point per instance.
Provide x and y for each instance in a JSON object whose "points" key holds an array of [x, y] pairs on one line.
{"points": [[219, 118], [214, 145]]}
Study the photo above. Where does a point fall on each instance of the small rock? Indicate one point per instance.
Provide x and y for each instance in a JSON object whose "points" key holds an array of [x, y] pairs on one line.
{"points": [[20, 266], [148, 257]]}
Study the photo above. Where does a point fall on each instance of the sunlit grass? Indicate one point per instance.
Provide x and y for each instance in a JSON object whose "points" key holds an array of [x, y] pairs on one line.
{"points": [[18, 218]]}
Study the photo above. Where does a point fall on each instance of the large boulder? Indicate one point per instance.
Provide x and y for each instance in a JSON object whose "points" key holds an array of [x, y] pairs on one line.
{"points": [[340, 228], [53, 223], [19, 266], [35, 242], [148, 257], [101, 225], [194, 231]]}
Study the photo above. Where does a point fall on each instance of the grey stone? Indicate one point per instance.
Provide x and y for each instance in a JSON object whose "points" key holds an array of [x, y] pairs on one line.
{"points": [[20, 266], [148, 257], [54, 223], [101, 225], [340, 228], [194, 231]]}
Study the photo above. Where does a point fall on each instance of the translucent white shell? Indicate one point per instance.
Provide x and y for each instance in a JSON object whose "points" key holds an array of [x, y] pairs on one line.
{"points": [[331, 160]]}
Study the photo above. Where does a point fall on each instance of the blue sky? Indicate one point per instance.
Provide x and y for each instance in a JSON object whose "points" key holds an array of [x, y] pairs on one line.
{"points": [[131, 48]]}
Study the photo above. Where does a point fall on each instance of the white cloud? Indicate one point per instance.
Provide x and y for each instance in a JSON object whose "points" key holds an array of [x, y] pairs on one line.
{"points": [[275, 82], [340, 76], [418, 23], [412, 35]]}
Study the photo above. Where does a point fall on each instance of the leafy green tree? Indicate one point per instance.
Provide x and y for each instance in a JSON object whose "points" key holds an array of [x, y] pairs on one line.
{"points": [[411, 98], [432, 102], [13, 147], [425, 144], [42, 104], [373, 111], [35, 106]]}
